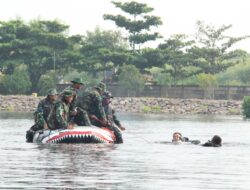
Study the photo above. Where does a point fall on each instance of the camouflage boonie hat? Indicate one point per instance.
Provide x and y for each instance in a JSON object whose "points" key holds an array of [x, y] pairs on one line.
{"points": [[77, 80], [107, 94], [67, 93], [52, 92], [98, 87], [102, 86]]}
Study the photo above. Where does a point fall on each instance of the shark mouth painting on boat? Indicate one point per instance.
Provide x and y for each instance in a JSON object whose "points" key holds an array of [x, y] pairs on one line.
{"points": [[77, 135]]}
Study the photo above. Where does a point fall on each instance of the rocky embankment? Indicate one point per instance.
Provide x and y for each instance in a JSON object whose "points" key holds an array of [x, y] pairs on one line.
{"points": [[139, 105]]}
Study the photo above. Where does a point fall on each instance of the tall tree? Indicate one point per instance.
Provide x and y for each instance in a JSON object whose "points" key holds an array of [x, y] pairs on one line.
{"points": [[50, 44], [176, 59], [130, 79], [212, 54], [102, 50], [41, 45], [139, 23]]}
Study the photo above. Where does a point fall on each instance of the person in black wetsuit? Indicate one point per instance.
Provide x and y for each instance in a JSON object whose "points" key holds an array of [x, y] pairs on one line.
{"points": [[215, 142]]}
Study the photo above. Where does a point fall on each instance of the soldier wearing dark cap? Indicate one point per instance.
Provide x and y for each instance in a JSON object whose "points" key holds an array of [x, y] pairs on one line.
{"points": [[42, 113], [77, 84], [109, 111], [44, 108], [103, 87], [92, 102], [111, 117], [60, 118], [80, 116], [95, 105]]}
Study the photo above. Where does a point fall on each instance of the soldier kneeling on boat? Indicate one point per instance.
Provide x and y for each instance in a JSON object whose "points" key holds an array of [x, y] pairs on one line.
{"points": [[52, 114]]}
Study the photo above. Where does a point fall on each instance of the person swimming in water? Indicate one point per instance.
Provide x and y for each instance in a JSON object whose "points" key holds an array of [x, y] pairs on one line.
{"points": [[214, 142], [178, 138]]}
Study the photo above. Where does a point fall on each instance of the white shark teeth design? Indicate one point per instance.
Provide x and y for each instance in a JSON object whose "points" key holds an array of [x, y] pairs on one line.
{"points": [[78, 138]]}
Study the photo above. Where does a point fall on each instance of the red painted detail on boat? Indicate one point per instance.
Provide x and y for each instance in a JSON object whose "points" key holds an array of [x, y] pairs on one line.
{"points": [[111, 132], [61, 134]]}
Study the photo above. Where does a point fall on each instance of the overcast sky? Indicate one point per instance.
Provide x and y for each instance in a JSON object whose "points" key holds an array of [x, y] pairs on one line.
{"points": [[178, 16]]}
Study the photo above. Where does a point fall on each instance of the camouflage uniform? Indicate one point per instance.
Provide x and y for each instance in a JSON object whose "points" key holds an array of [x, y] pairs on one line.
{"points": [[75, 95], [43, 110], [42, 114], [116, 121], [102, 86], [60, 118], [110, 113], [81, 118], [93, 104], [61, 114], [112, 118]]}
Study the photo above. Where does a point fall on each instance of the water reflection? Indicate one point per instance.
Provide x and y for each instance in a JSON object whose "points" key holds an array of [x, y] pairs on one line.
{"points": [[139, 163], [88, 161], [16, 115]]}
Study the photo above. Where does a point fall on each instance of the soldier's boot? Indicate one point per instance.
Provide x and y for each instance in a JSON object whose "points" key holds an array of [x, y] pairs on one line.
{"points": [[29, 135]]}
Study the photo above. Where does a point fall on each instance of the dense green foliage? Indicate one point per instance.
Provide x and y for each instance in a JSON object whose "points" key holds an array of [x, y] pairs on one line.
{"points": [[208, 83], [131, 80], [236, 75], [46, 82], [159, 76], [212, 53], [18, 82], [34, 56], [246, 106]]}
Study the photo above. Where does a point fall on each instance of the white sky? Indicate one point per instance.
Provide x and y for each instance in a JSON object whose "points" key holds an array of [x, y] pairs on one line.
{"points": [[178, 16]]}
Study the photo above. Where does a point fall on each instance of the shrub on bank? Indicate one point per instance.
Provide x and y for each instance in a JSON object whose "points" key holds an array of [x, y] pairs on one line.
{"points": [[151, 109], [146, 109], [246, 106], [18, 82]]}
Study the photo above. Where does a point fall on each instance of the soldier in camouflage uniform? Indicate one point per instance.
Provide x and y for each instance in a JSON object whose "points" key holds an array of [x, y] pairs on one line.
{"points": [[103, 87], [92, 103], [42, 114], [60, 118], [45, 107], [80, 116], [111, 117], [109, 111]]}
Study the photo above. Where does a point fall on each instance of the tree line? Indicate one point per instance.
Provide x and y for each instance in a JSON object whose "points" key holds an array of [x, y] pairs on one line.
{"points": [[34, 56]]}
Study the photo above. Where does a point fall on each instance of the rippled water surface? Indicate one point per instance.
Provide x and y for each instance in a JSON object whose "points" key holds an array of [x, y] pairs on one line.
{"points": [[139, 163]]}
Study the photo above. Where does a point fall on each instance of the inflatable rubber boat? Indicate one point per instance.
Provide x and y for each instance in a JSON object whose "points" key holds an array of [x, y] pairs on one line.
{"points": [[77, 135]]}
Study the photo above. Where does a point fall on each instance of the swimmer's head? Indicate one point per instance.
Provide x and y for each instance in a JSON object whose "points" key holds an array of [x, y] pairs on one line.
{"points": [[216, 140], [177, 137]]}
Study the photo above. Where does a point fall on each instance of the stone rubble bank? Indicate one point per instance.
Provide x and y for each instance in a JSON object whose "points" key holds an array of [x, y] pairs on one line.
{"points": [[23, 103]]}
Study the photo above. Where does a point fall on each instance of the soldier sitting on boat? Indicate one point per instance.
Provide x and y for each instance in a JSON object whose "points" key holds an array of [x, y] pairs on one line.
{"points": [[112, 119], [42, 114], [80, 116], [60, 115], [92, 103], [109, 111]]}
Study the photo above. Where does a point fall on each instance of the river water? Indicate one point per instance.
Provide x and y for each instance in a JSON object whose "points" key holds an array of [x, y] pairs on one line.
{"points": [[140, 163]]}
